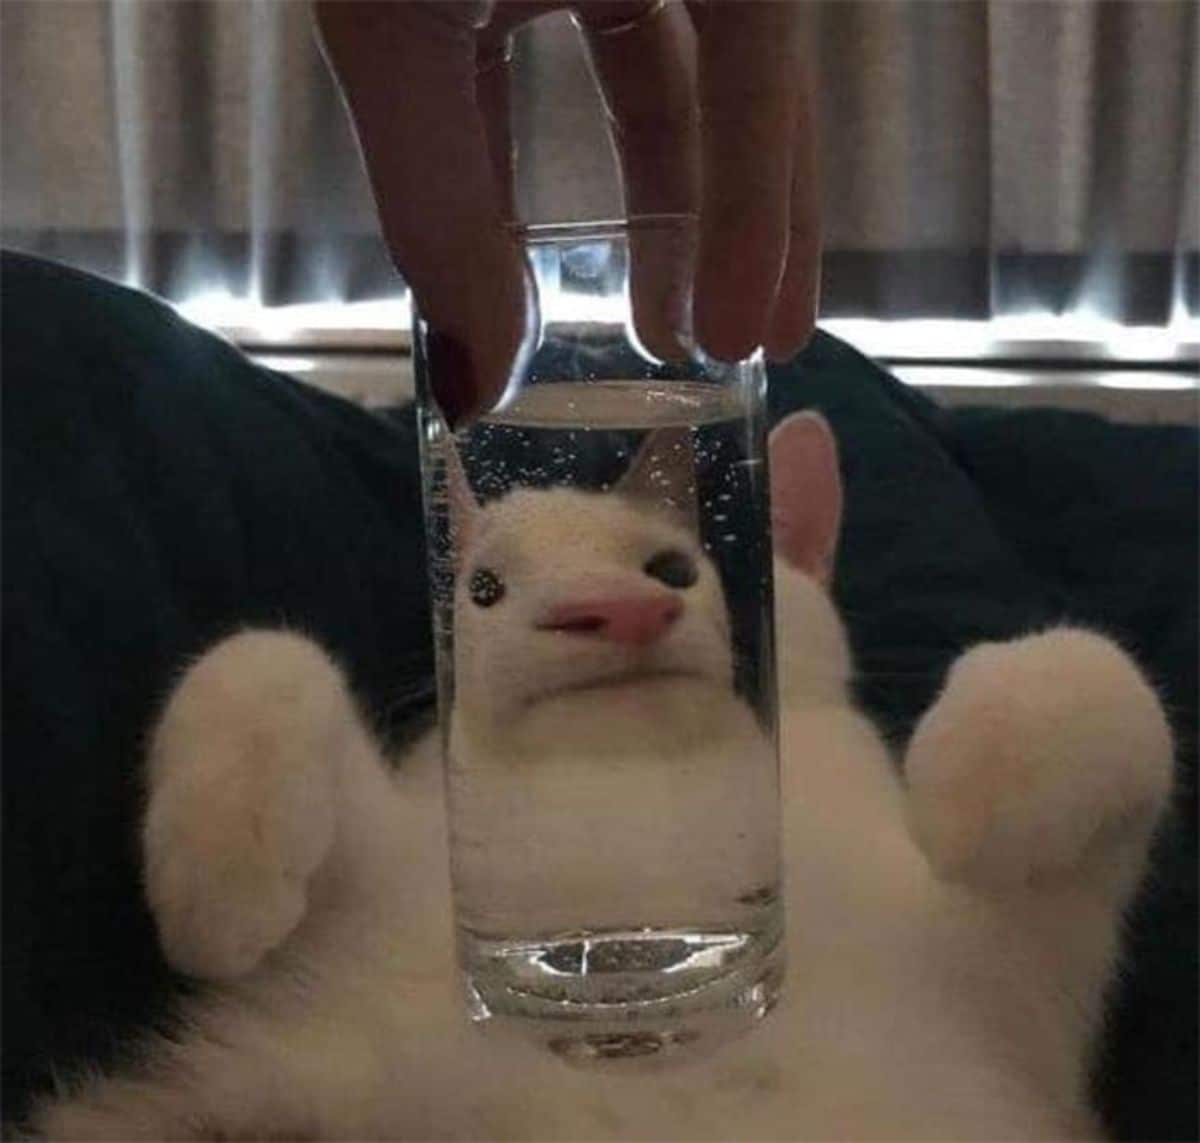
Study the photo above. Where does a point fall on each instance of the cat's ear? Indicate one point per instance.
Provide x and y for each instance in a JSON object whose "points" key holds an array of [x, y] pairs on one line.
{"points": [[463, 507], [806, 494], [663, 475]]}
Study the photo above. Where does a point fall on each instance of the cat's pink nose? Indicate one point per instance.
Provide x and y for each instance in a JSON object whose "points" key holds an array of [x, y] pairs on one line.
{"points": [[635, 620]]}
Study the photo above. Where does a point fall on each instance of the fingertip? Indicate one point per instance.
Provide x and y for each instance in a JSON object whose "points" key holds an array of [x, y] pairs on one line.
{"points": [[452, 376], [660, 342], [794, 315], [726, 327], [738, 273], [481, 328], [662, 258], [784, 344], [722, 344], [661, 324]]}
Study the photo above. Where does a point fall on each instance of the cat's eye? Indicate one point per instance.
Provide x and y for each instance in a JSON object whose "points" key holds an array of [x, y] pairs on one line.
{"points": [[672, 567], [486, 587]]}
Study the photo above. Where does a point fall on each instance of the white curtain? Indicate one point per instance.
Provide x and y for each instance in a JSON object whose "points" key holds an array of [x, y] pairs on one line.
{"points": [[981, 157]]}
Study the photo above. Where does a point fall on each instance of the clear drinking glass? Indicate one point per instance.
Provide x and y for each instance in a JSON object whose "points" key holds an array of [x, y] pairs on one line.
{"points": [[600, 564]]}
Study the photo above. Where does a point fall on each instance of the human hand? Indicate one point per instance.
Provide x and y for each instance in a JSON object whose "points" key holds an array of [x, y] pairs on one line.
{"points": [[710, 115]]}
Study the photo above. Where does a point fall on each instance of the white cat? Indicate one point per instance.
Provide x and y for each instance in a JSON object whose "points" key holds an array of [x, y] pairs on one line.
{"points": [[951, 935]]}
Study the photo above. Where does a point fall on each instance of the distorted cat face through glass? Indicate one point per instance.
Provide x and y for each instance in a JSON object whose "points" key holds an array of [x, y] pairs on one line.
{"points": [[561, 590]]}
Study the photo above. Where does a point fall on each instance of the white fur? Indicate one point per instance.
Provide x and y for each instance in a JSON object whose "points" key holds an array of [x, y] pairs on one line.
{"points": [[949, 944]]}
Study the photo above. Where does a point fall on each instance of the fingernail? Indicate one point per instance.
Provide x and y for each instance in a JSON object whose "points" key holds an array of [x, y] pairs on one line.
{"points": [[452, 374]]}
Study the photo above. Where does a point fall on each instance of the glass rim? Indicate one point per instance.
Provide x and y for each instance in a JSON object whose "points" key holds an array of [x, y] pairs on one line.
{"points": [[553, 233]]}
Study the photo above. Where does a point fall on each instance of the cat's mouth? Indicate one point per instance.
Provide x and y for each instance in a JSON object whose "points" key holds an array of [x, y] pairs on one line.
{"points": [[635, 678]]}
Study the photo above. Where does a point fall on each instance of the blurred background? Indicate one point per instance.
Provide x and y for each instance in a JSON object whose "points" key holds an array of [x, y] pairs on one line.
{"points": [[1010, 185]]}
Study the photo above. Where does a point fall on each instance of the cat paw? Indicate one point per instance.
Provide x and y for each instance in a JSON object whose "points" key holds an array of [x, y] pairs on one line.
{"points": [[1038, 753], [218, 921], [242, 808]]}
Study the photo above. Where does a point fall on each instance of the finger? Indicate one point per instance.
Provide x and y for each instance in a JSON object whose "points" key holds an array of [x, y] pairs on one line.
{"points": [[794, 315], [643, 56], [408, 74], [492, 86], [493, 76], [749, 57]]}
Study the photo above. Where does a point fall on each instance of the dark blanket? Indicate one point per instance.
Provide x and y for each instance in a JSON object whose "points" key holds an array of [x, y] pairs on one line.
{"points": [[160, 490]]}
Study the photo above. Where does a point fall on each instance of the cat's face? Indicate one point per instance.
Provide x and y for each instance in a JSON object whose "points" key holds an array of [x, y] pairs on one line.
{"points": [[561, 591], [564, 592]]}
